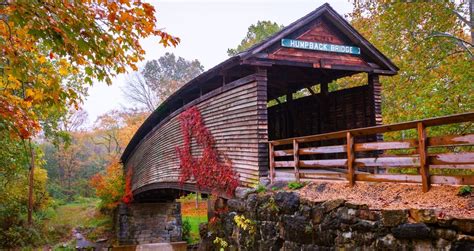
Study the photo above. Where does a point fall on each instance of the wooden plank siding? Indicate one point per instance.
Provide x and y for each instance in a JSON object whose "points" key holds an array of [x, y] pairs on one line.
{"points": [[235, 116], [320, 30]]}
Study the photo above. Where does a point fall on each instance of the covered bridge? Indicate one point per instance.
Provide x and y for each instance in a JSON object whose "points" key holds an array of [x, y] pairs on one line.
{"points": [[279, 91], [233, 98], [273, 112]]}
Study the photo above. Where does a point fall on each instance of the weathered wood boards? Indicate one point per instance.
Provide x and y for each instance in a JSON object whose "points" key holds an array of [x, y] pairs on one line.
{"points": [[236, 118], [421, 157]]}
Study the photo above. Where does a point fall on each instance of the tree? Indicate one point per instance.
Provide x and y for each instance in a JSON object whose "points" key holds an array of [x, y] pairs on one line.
{"points": [[435, 76], [49, 54], [255, 34], [113, 131], [159, 79]]}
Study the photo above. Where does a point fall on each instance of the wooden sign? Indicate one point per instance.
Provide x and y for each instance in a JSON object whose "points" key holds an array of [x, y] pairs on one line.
{"points": [[315, 46]]}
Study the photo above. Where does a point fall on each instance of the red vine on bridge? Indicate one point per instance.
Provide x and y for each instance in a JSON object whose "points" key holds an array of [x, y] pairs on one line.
{"points": [[128, 195], [207, 171]]}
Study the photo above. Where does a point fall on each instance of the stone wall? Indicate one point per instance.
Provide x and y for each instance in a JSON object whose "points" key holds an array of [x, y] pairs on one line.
{"points": [[143, 223], [282, 221]]}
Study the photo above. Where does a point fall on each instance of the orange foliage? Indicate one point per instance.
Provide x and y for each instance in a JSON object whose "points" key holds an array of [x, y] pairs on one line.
{"points": [[50, 54], [109, 186]]}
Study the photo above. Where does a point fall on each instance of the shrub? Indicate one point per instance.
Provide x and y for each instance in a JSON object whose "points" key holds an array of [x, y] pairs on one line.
{"points": [[261, 189], [187, 231], [465, 190], [295, 185]]}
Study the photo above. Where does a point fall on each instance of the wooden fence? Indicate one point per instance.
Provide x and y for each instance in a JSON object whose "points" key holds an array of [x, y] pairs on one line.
{"points": [[455, 155]]}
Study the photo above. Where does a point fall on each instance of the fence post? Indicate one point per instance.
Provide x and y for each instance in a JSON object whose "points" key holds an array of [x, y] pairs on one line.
{"points": [[271, 155], [296, 159], [424, 168], [350, 159]]}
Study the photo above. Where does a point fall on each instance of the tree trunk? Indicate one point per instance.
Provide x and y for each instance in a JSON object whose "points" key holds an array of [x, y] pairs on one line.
{"points": [[30, 187], [471, 16]]}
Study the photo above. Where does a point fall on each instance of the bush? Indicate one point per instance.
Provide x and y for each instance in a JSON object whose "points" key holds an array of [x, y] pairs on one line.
{"points": [[261, 189], [295, 185], [465, 190], [187, 231]]}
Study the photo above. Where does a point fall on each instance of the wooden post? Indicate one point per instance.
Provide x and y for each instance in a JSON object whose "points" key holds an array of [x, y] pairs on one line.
{"points": [[271, 155], [296, 159], [424, 168], [197, 200], [350, 159]]}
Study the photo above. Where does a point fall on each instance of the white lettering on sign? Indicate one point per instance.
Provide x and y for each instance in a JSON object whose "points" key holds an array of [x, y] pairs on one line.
{"points": [[308, 45]]}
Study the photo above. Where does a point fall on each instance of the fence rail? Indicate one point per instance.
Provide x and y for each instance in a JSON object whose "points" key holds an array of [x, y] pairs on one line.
{"points": [[421, 158]]}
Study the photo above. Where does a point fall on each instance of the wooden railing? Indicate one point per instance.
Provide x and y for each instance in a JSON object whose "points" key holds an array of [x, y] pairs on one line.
{"points": [[457, 154]]}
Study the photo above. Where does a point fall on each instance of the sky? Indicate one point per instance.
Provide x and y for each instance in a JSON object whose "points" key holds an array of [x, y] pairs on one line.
{"points": [[206, 29]]}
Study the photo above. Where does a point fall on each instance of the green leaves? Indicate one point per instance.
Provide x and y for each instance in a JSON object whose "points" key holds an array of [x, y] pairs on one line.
{"points": [[435, 76], [255, 34]]}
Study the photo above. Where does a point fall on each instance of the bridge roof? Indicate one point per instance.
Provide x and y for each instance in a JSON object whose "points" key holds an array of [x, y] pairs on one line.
{"points": [[266, 53]]}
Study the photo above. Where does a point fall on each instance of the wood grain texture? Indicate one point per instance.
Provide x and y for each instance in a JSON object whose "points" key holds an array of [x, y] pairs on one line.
{"points": [[237, 120], [321, 30]]}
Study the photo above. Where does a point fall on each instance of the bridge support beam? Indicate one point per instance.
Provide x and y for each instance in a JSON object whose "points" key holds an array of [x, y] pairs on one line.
{"points": [[141, 223]]}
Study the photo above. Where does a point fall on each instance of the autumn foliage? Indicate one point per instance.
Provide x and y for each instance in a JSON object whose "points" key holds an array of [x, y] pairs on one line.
{"points": [[109, 186], [207, 171], [128, 195], [50, 54]]}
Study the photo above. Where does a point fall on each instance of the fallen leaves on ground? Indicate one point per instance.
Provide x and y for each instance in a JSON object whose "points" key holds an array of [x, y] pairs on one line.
{"points": [[394, 196]]}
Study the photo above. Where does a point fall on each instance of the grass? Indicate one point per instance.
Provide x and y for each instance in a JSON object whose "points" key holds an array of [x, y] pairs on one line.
{"points": [[295, 185], [195, 221], [82, 214], [195, 216]]}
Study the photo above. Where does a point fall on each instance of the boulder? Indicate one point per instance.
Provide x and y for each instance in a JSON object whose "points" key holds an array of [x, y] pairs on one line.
{"points": [[444, 233], [391, 218], [317, 214], [269, 230], [243, 192], [365, 226], [464, 225], [412, 231], [287, 202], [366, 214], [236, 205], [423, 215], [297, 229], [325, 238], [332, 204], [346, 215]]}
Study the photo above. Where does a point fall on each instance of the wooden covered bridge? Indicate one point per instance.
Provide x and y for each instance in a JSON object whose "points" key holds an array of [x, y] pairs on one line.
{"points": [[273, 113]]}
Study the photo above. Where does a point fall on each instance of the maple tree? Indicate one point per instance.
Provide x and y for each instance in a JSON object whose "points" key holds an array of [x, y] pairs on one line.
{"points": [[49, 52], [113, 131], [207, 171], [109, 186]]}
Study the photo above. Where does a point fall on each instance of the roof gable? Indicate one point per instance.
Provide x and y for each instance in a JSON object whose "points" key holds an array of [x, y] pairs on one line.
{"points": [[323, 25]]}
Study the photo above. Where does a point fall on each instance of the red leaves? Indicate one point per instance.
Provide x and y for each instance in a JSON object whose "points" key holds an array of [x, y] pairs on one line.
{"points": [[128, 195], [207, 171], [20, 119]]}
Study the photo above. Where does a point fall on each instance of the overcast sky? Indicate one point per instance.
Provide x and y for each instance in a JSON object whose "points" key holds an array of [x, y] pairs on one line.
{"points": [[207, 29]]}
